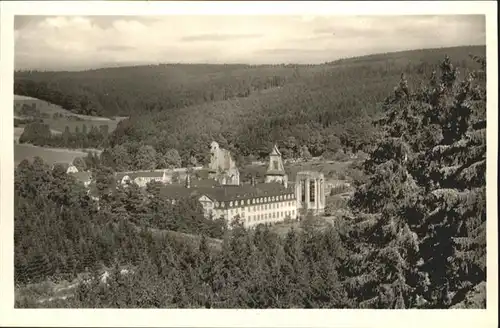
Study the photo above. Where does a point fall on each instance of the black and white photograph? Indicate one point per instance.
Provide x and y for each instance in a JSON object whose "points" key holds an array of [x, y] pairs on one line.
{"points": [[253, 161]]}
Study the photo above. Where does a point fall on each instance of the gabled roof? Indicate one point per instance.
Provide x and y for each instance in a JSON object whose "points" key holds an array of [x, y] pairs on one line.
{"points": [[241, 192], [226, 193]]}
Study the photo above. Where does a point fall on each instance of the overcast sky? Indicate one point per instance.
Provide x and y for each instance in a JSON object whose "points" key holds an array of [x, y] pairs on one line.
{"points": [[70, 42]]}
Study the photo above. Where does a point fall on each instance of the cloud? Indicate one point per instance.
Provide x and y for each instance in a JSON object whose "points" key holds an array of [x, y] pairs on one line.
{"points": [[218, 37], [400, 26], [115, 48], [76, 42]]}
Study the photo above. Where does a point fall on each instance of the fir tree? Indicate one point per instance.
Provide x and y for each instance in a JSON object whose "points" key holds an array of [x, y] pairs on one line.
{"points": [[418, 232]]}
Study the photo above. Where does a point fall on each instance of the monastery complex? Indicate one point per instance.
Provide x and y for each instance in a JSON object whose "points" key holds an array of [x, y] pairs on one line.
{"points": [[223, 196]]}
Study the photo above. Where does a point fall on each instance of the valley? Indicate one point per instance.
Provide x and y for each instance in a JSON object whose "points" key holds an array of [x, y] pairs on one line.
{"points": [[323, 186]]}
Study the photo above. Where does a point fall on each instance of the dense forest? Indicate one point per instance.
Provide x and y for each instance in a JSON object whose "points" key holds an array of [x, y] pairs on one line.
{"points": [[125, 90], [419, 231], [415, 237], [60, 229], [310, 110]]}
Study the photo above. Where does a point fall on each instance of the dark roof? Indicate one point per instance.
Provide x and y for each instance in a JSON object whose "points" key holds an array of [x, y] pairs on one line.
{"points": [[204, 183], [249, 191], [175, 191], [226, 193]]}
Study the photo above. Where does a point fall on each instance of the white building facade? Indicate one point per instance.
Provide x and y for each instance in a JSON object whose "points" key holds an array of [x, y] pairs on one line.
{"points": [[310, 191]]}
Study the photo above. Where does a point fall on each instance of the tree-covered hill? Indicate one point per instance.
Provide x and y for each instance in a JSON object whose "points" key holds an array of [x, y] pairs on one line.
{"points": [[122, 91], [307, 109], [125, 91], [327, 107]]}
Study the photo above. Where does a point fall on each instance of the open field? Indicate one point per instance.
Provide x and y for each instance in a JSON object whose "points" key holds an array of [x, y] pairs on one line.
{"points": [[49, 155], [19, 131], [58, 118]]}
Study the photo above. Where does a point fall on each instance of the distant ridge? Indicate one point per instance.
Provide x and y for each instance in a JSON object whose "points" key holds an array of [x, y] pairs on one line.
{"points": [[403, 52], [110, 66]]}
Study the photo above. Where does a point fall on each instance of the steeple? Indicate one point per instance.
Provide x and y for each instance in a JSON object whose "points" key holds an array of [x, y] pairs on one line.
{"points": [[275, 170]]}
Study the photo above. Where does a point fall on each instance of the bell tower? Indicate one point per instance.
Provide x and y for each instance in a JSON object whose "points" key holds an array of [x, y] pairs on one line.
{"points": [[276, 170]]}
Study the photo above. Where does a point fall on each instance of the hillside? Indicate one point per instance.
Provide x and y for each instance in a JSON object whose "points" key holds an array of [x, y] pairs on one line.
{"points": [[41, 123], [58, 118], [326, 108], [245, 108], [124, 91], [48, 155], [412, 236]]}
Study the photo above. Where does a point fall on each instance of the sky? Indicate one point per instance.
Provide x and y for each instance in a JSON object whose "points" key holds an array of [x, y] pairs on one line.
{"points": [[86, 42]]}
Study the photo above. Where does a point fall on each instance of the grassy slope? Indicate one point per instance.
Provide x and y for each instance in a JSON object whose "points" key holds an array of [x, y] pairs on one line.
{"points": [[69, 119], [49, 155], [57, 125]]}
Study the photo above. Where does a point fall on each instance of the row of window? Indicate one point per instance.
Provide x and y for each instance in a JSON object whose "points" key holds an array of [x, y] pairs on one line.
{"points": [[274, 215], [255, 200], [261, 207]]}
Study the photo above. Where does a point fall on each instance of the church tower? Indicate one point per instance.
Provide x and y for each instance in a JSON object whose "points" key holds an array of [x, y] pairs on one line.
{"points": [[276, 170]]}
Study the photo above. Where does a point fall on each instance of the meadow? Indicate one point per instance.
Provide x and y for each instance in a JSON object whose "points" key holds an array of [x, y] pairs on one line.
{"points": [[49, 155], [59, 118]]}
